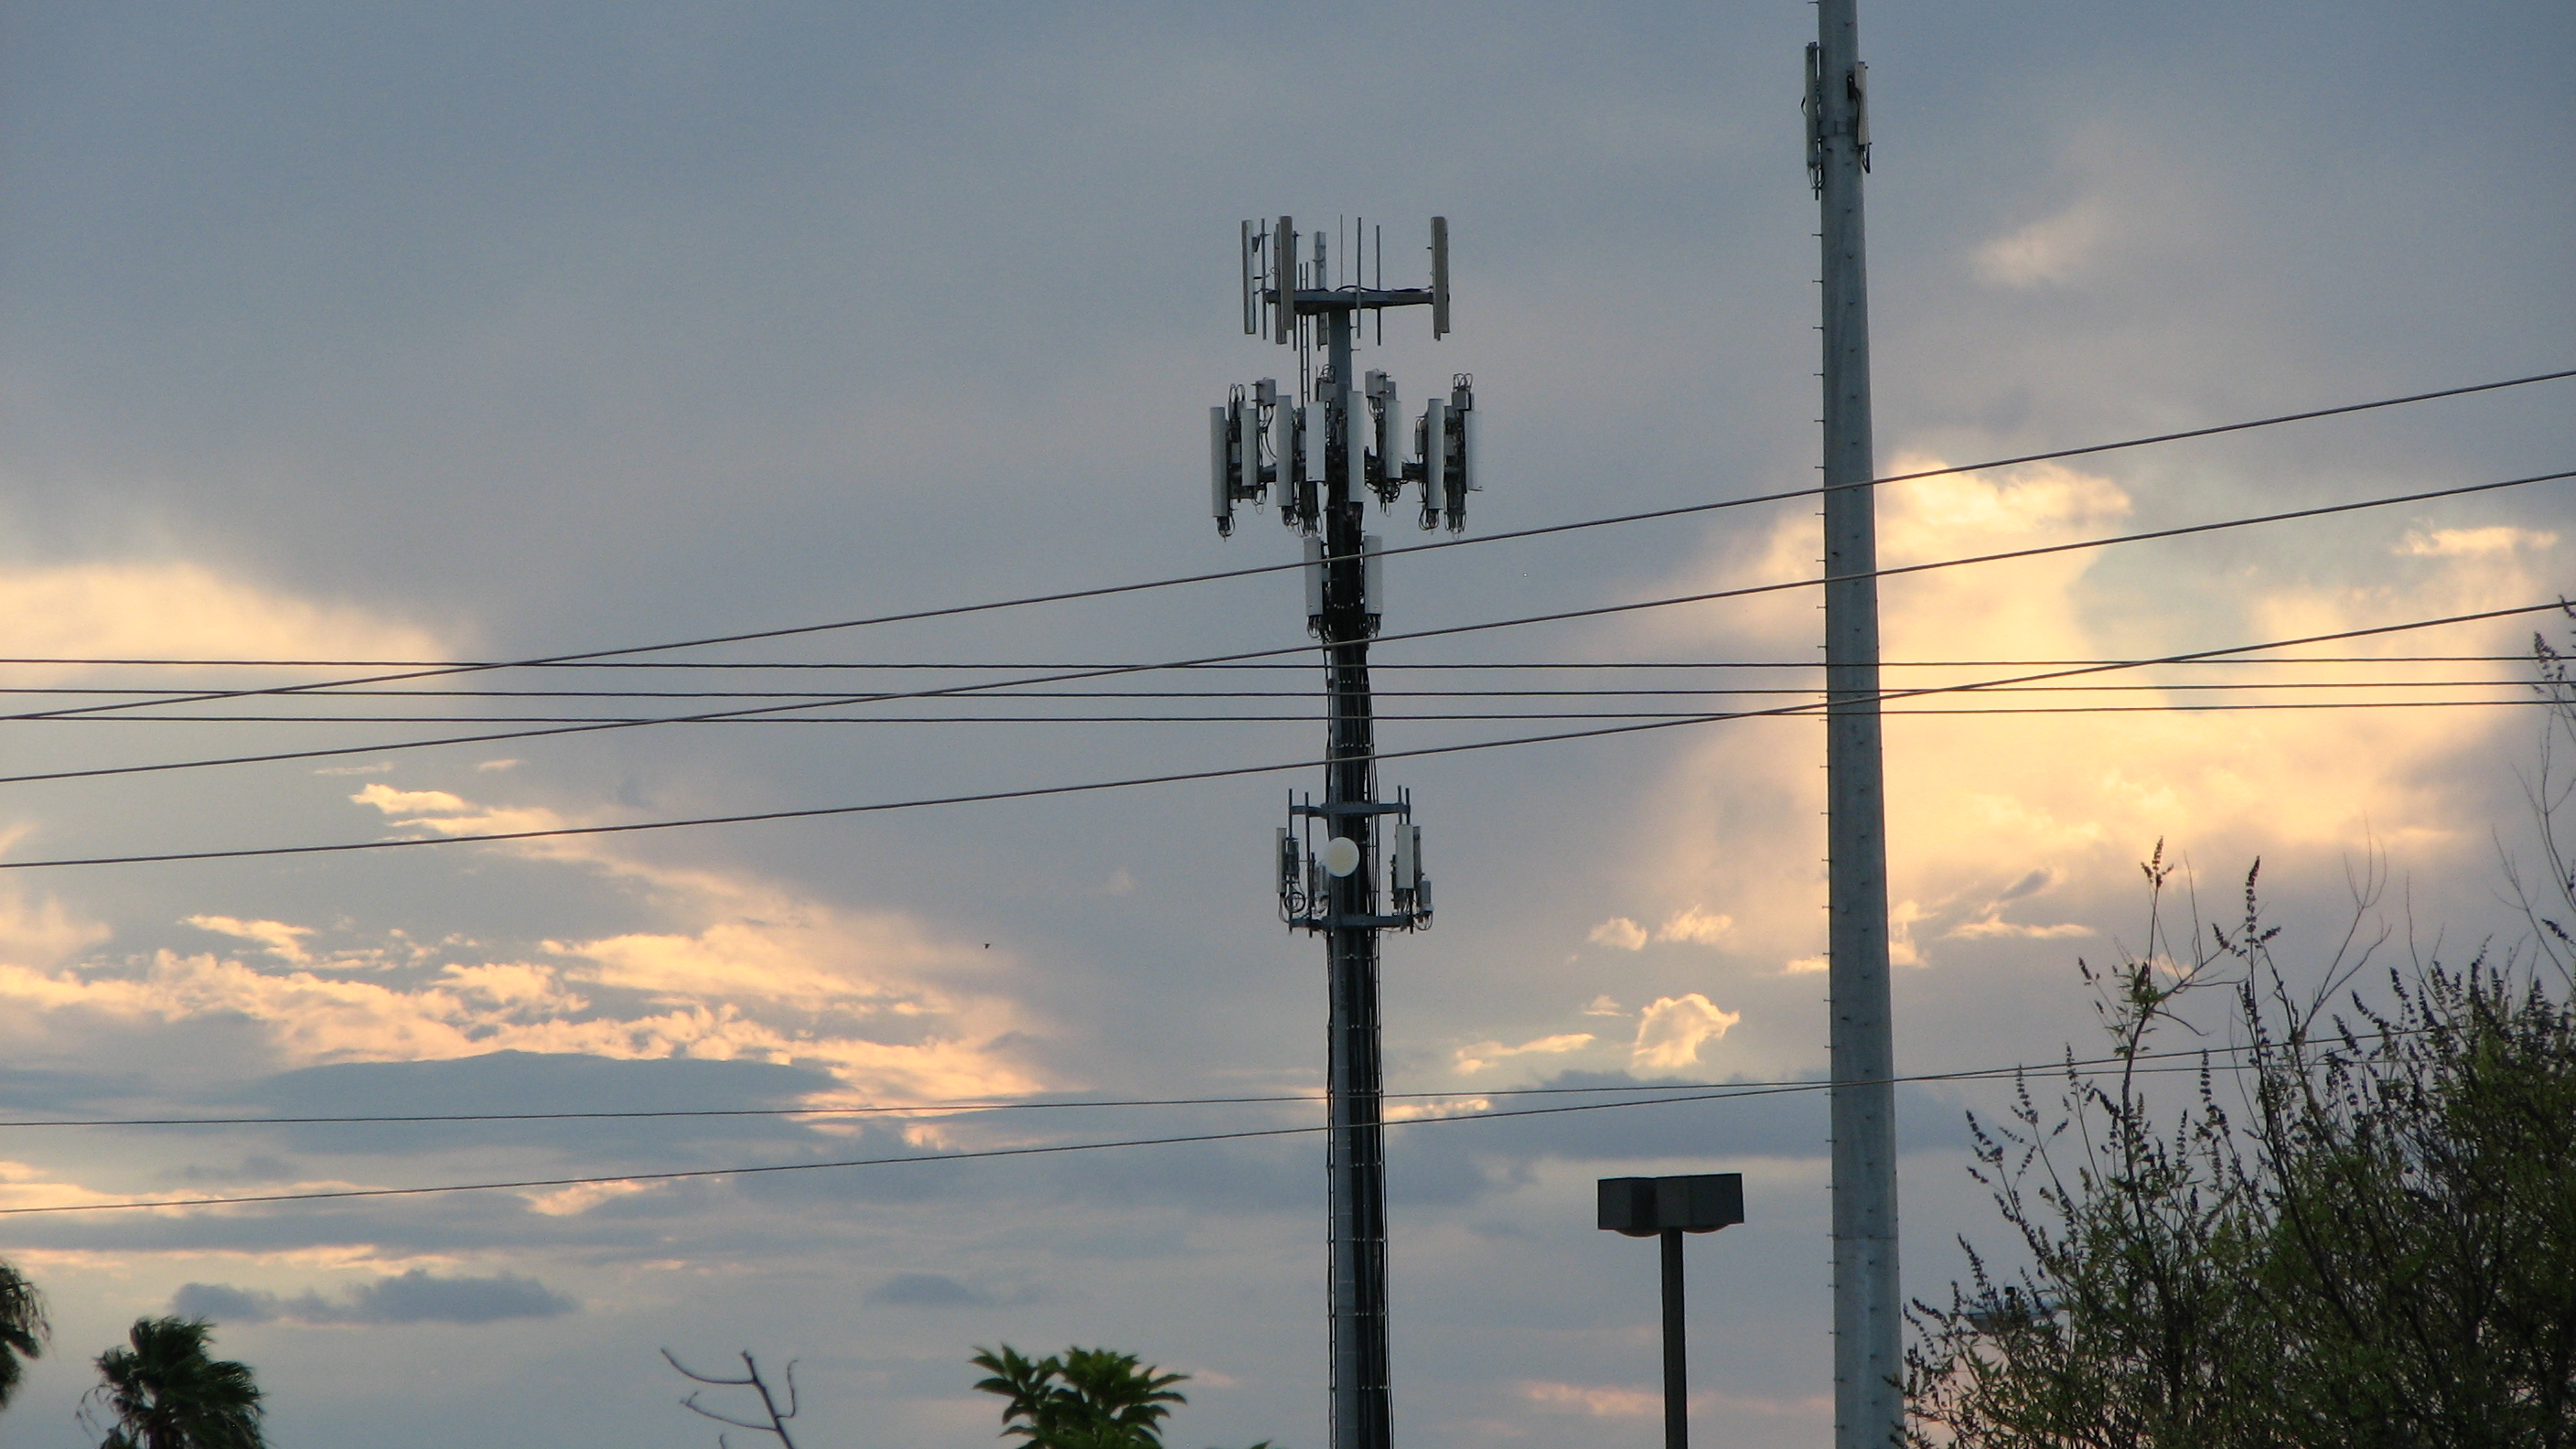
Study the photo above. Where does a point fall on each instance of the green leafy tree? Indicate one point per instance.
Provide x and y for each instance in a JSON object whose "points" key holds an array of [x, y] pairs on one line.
{"points": [[2364, 1236], [1083, 1398], [167, 1392], [23, 1329]]}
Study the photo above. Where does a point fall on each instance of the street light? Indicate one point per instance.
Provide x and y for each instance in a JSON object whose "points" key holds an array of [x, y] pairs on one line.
{"points": [[1667, 1207]]}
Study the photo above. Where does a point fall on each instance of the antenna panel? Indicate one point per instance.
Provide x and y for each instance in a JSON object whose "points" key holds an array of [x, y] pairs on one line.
{"points": [[1283, 277], [1389, 417], [1372, 573], [1221, 471], [1435, 459], [1251, 241], [1457, 476], [1355, 440], [1314, 574], [1439, 277]]}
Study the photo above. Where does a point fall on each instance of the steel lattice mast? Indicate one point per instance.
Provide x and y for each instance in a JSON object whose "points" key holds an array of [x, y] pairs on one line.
{"points": [[1320, 451]]}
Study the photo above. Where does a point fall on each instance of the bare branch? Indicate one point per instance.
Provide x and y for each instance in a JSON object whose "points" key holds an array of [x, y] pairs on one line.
{"points": [[752, 1380]]}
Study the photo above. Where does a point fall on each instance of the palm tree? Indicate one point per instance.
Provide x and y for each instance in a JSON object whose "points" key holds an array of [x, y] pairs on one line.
{"points": [[23, 1329], [1089, 1398], [167, 1393]]}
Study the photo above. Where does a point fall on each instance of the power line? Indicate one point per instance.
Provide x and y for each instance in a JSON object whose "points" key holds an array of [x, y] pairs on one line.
{"points": [[1561, 616], [1107, 590], [1525, 692], [1064, 664], [2169, 707], [1731, 1092], [1222, 772], [990, 1104]]}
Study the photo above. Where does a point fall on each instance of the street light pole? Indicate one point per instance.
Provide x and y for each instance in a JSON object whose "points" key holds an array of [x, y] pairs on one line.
{"points": [[1676, 1362], [1666, 1208]]}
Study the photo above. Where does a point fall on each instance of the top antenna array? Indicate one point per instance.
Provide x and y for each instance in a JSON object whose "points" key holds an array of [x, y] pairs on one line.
{"points": [[1266, 442], [1282, 288]]}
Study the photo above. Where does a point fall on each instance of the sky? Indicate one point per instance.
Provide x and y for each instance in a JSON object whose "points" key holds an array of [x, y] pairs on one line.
{"points": [[501, 332]]}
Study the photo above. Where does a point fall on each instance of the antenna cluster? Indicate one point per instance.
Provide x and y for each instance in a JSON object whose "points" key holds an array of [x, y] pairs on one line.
{"points": [[1267, 443], [1306, 874], [1320, 449]]}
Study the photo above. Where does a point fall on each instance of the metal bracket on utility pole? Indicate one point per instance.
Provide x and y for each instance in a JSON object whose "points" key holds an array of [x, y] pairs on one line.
{"points": [[1319, 450]]}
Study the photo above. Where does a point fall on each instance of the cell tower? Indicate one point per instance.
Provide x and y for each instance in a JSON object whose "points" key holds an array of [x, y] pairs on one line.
{"points": [[1318, 452]]}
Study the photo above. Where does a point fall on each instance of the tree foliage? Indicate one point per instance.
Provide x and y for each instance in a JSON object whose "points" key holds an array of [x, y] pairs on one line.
{"points": [[2364, 1234], [167, 1392], [23, 1329], [1083, 1398]]}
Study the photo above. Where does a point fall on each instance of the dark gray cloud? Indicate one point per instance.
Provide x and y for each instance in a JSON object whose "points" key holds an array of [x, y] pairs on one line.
{"points": [[417, 1296], [938, 1290], [512, 1082]]}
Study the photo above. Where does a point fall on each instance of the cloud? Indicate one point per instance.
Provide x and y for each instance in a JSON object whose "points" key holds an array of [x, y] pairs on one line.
{"points": [[417, 1296], [2029, 885], [42, 934], [2471, 542], [1604, 1006], [1624, 1401], [2060, 803], [1690, 923], [1620, 932], [1991, 928], [1601, 1401], [735, 968], [450, 814], [2050, 252], [282, 941], [178, 610], [1673, 1028], [927, 1290], [1485, 1053], [581, 1197], [1693, 924]]}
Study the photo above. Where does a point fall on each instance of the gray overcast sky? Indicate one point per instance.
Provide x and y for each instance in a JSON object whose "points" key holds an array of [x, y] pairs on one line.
{"points": [[467, 332]]}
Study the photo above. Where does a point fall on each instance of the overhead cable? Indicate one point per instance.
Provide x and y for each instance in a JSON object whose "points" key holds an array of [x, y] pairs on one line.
{"points": [[1108, 590], [978, 1105], [1057, 1149], [1444, 631], [1382, 717], [1215, 773], [1377, 665]]}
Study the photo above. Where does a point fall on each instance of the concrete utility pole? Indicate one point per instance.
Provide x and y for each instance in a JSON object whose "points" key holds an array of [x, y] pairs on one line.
{"points": [[1323, 471], [1869, 1405]]}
